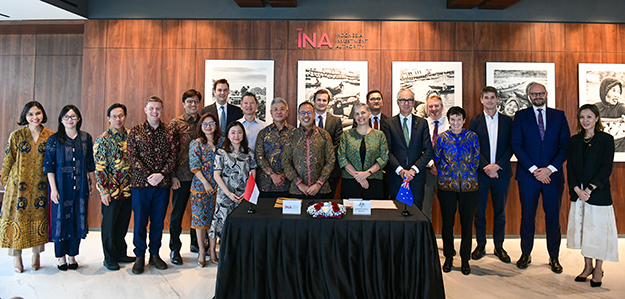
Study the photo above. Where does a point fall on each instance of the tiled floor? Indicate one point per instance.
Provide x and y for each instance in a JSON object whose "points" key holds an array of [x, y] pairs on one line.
{"points": [[489, 277]]}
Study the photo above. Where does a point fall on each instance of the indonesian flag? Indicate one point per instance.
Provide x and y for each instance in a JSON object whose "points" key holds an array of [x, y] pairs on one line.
{"points": [[251, 190]]}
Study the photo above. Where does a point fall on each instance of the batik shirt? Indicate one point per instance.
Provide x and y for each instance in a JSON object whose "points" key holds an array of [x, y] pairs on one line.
{"points": [[184, 129], [270, 145], [112, 170], [349, 152], [151, 151], [457, 157], [309, 159]]}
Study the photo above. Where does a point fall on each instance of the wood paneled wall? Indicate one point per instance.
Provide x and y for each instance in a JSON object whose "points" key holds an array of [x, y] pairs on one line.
{"points": [[128, 60]]}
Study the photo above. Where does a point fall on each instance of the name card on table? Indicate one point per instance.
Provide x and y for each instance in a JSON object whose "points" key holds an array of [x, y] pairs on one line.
{"points": [[362, 207], [293, 207]]}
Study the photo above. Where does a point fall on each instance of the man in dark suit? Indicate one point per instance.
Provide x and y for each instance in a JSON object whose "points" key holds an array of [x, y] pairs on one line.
{"points": [[375, 103], [410, 148], [494, 132], [333, 125], [221, 108], [540, 138]]}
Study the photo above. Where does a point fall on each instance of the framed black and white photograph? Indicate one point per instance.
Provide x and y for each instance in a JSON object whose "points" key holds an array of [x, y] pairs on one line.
{"points": [[255, 76], [425, 78], [602, 85], [512, 79], [347, 81]]}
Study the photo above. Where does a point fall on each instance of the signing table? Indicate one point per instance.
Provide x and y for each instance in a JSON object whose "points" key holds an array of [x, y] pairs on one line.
{"points": [[384, 255]]}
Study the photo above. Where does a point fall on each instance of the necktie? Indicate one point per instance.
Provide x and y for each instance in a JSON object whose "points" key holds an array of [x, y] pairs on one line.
{"points": [[405, 129], [222, 121], [406, 135], [375, 123], [541, 124], [435, 134], [320, 122]]}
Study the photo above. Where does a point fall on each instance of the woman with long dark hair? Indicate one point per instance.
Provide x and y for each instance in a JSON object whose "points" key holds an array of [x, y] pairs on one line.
{"points": [[70, 168], [24, 219], [203, 187], [232, 168], [592, 224]]}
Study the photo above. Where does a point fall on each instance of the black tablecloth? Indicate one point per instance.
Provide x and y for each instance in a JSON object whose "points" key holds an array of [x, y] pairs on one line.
{"points": [[385, 255]]}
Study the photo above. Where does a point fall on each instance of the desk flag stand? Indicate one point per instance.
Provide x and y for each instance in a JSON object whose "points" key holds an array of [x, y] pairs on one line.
{"points": [[251, 193], [405, 195]]}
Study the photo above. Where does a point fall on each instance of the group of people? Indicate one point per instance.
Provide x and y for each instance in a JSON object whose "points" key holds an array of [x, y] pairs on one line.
{"points": [[206, 156]]}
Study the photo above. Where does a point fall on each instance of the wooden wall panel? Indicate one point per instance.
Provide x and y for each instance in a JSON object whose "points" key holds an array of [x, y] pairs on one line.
{"points": [[17, 44], [144, 34], [178, 73], [96, 34], [58, 81], [60, 44], [399, 36], [132, 76], [502, 37], [179, 34], [215, 35]]}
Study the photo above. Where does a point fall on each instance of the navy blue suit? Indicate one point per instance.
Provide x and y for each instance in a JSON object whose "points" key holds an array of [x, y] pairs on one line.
{"points": [[418, 153], [531, 151], [497, 186]]}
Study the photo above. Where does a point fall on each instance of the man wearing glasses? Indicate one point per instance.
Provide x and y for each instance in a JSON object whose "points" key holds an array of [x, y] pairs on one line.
{"points": [[410, 148], [112, 173], [375, 103], [184, 129], [309, 158], [540, 138]]}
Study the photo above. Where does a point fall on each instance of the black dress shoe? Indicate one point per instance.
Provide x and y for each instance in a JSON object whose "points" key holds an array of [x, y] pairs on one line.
{"points": [[126, 259], [524, 261], [555, 265], [447, 265], [478, 253], [62, 267], [113, 266], [466, 269], [137, 268], [176, 259], [595, 284], [73, 266], [194, 248], [502, 255], [157, 262]]}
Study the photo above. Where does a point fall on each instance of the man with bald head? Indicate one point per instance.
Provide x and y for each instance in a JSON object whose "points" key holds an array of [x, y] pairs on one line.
{"points": [[540, 138]]}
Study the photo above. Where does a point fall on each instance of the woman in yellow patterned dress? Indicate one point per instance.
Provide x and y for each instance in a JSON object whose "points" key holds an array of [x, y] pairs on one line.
{"points": [[24, 220]]}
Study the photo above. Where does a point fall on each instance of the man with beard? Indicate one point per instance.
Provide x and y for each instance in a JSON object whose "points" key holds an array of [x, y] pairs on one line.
{"points": [[540, 138]]}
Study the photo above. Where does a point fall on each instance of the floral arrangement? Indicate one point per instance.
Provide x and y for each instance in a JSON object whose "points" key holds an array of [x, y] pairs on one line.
{"points": [[328, 209]]}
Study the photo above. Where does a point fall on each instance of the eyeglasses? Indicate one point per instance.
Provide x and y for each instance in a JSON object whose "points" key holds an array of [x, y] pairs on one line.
{"points": [[537, 94], [72, 117], [406, 100], [212, 123], [118, 116], [304, 113], [375, 99], [188, 101]]}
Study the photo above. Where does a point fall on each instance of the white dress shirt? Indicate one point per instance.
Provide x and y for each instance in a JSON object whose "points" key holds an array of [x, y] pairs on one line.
{"points": [[324, 117], [251, 130], [492, 126], [409, 125], [443, 126]]}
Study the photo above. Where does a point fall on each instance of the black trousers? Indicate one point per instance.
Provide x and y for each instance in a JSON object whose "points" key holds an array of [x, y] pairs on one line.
{"points": [[465, 203], [179, 201], [115, 221]]}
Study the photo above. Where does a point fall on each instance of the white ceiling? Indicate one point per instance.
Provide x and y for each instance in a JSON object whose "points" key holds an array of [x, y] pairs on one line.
{"points": [[19, 10]]}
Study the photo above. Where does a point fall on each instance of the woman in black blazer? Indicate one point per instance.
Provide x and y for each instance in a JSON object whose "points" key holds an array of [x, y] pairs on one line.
{"points": [[592, 225]]}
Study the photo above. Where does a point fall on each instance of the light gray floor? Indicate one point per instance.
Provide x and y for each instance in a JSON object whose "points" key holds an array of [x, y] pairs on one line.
{"points": [[489, 277]]}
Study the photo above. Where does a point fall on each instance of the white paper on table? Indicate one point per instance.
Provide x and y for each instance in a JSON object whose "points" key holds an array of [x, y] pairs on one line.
{"points": [[375, 204]]}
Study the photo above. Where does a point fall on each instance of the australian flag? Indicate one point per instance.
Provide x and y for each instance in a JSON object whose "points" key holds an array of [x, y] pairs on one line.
{"points": [[405, 195]]}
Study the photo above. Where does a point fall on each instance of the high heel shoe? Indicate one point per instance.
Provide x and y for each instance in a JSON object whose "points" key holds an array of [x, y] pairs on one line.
{"points": [[201, 261], [580, 278], [596, 284], [35, 265], [216, 261], [17, 264]]}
